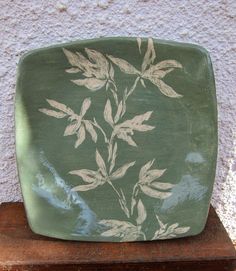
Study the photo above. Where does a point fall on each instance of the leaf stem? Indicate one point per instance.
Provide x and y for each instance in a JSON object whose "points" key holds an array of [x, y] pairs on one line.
{"points": [[113, 187], [133, 87], [114, 85], [115, 96], [128, 94], [121, 199], [94, 122], [134, 195], [114, 92]]}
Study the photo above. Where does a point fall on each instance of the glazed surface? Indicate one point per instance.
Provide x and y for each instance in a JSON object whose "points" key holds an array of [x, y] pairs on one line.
{"points": [[121, 138]]}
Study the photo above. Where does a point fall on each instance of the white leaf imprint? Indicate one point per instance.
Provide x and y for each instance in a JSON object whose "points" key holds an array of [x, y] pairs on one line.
{"points": [[145, 168], [100, 61], [84, 64], [111, 72], [72, 128], [90, 83], [101, 164], [87, 175], [181, 230], [80, 136], [71, 57], [85, 106], [60, 106], [154, 193], [158, 74], [108, 113], [166, 64], [89, 128], [119, 173], [123, 203], [167, 232], [53, 113], [122, 229], [133, 203], [150, 55], [154, 174], [85, 187], [162, 186], [137, 122], [139, 41], [73, 70], [123, 134], [164, 88], [113, 158], [123, 65], [118, 113], [142, 214], [147, 184], [143, 83]]}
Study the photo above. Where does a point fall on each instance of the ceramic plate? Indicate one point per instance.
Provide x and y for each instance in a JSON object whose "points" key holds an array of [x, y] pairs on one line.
{"points": [[116, 139]]}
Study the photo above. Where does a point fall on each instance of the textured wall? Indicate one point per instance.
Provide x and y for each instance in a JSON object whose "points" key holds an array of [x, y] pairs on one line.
{"points": [[30, 24]]}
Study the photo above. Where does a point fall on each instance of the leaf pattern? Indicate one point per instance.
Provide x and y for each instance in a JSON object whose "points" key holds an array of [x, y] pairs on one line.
{"points": [[167, 232], [80, 136], [118, 113], [85, 187], [126, 129], [119, 173], [53, 113], [78, 125], [142, 213], [154, 193], [123, 65], [147, 185], [108, 113], [73, 70], [100, 61], [90, 83], [90, 129], [72, 128], [154, 73], [93, 178], [94, 71], [60, 106], [113, 159], [137, 123], [101, 176], [72, 58], [139, 41], [166, 64], [164, 88], [122, 229], [85, 106], [144, 169], [101, 164], [87, 175], [125, 135], [150, 55]]}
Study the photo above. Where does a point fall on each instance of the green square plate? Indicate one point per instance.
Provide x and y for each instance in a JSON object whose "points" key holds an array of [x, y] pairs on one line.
{"points": [[116, 139]]}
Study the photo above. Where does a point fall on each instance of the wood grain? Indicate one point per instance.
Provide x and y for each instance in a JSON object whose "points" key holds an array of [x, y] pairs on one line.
{"points": [[21, 249]]}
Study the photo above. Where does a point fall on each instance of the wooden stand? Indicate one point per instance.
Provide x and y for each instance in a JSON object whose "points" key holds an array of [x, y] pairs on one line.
{"points": [[20, 249]]}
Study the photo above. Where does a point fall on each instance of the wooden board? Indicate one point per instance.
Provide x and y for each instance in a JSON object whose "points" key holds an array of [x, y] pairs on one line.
{"points": [[21, 249]]}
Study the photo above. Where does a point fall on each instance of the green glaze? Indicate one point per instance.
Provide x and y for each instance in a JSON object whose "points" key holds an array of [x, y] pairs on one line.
{"points": [[116, 139]]}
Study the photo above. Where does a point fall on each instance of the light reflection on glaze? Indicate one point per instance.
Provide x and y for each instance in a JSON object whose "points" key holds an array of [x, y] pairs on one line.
{"points": [[195, 158], [189, 188], [59, 195]]}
